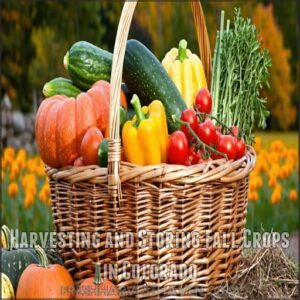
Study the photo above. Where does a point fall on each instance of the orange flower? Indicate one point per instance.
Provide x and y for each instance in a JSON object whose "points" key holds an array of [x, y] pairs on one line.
{"points": [[28, 180], [273, 159], [293, 195], [14, 170], [272, 181], [277, 146], [253, 184], [40, 169], [276, 196], [44, 193], [259, 182], [32, 164], [261, 166], [28, 200], [31, 189], [253, 196], [274, 171], [257, 144], [21, 158], [13, 189], [8, 156]]}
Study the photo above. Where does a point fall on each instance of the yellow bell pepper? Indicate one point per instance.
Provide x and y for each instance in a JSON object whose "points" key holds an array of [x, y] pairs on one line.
{"points": [[145, 137], [186, 70]]}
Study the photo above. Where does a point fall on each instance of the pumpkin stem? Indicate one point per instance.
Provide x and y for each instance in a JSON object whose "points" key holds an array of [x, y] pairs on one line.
{"points": [[43, 260], [97, 277], [8, 238]]}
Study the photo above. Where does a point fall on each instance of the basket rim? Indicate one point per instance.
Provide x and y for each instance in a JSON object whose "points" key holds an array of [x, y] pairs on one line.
{"points": [[219, 169]]}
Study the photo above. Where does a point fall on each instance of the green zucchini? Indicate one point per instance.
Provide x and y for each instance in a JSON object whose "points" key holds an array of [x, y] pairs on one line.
{"points": [[86, 64], [145, 76], [61, 86]]}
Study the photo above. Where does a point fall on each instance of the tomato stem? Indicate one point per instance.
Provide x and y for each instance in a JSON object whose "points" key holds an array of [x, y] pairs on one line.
{"points": [[199, 142], [201, 114]]}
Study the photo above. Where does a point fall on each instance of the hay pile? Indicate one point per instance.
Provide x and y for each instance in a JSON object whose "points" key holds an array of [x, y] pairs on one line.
{"points": [[264, 273]]}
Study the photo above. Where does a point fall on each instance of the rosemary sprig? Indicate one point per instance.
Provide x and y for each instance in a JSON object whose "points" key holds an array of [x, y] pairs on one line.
{"points": [[244, 70]]}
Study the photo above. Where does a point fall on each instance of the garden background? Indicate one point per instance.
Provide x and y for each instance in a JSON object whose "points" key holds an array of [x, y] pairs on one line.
{"points": [[35, 35]]}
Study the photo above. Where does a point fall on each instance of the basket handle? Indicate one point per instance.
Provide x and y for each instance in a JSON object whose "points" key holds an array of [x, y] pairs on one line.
{"points": [[114, 148]]}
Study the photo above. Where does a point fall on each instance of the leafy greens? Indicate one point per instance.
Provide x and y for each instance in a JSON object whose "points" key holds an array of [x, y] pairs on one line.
{"points": [[240, 71]]}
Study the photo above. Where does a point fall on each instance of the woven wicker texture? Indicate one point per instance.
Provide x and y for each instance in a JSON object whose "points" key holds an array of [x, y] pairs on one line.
{"points": [[209, 197]]}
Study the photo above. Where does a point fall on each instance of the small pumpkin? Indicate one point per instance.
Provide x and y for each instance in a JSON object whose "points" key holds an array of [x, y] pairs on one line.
{"points": [[7, 290], [96, 288], [54, 281], [61, 123], [14, 261]]}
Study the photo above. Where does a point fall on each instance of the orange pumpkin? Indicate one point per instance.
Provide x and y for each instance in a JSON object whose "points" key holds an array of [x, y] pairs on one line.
{"points": [[61, 123], [45, 281], [96, 288]]}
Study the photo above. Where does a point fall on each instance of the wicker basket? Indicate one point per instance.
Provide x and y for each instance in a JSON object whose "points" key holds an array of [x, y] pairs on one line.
{"points": [[207, 199]]}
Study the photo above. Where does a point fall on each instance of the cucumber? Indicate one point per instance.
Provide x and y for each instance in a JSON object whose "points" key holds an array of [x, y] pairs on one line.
{"points": [[145, 76], [60, 86], [86, 64]]}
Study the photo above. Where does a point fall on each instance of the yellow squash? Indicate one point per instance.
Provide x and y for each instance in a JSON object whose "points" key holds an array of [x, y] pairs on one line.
{"points": [[186, 70], [7, 291], [145, 137], [3, 238]]}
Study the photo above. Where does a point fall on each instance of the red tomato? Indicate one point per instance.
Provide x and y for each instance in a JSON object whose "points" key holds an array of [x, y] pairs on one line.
{"points": [[218, 135], [240, 148], [235, 130], [178, 150], [207, 132], [203, 101], [194, 156], [227, 146], [78, 162], [90, 145], [190, 116]]}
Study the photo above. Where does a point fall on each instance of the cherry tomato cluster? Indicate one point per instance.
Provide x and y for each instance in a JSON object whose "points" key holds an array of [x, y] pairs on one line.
{"points": [[200, 139]]}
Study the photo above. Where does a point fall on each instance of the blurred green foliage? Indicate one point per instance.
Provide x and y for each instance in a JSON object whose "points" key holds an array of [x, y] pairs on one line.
{"points": [[279, 217], [35, 35]]}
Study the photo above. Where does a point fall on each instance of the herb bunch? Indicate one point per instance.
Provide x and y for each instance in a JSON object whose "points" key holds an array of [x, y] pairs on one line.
{"points": [[240, 70]]}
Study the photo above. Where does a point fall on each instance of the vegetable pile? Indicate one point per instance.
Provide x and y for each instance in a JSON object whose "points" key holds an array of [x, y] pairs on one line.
{"points": [[22, 268], [167, 113]]}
